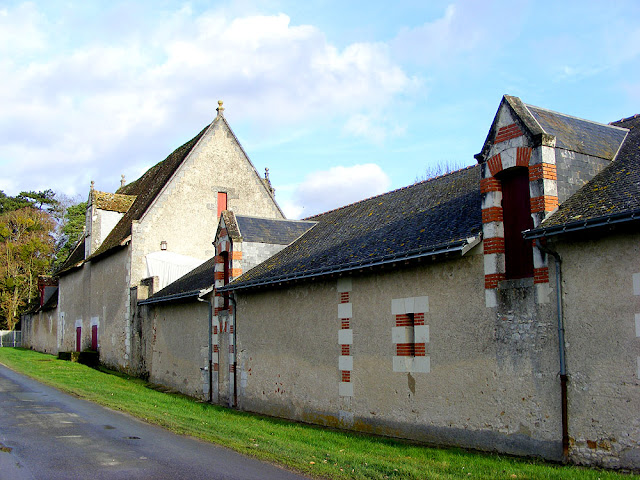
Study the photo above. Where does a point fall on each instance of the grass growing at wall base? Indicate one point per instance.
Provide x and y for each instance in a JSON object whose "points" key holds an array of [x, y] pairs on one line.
{"points": [[319, 452]]}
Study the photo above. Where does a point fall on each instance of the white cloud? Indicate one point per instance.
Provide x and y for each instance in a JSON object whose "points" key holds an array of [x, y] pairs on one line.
{"points": [[372, 128], [328, 189], [103, 107]]}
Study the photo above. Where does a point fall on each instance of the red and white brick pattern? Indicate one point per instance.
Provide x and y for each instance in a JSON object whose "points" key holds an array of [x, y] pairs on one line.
{"points": [[410, 334], [345, 337]]}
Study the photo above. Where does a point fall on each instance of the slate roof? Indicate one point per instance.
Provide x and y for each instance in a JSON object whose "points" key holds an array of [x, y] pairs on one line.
{"points": [[611, 196], [113, 202], [75, 258], [435, 216], [145, 189], [189, 285], [270, 230], [578, 135]]}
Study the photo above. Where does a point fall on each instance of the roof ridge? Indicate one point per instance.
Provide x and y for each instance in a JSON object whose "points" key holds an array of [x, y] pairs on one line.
{"points": [[273, 197], [272, 219], [391, 191], [626, 119]]}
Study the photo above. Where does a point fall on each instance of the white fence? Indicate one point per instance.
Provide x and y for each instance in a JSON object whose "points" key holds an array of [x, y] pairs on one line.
{"points": [[10, 338]]}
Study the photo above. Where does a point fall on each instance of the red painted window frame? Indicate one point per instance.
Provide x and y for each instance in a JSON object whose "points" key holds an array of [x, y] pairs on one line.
{"points": [[94, 337], [78, 339], [222, 202]]}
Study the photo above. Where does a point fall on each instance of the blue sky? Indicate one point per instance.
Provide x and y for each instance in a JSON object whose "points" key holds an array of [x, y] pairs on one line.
{"points": [[340, 100]]}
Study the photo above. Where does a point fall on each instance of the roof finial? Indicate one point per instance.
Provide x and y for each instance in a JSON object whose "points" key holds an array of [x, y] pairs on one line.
{"points": [[93, 184], [220, 108], [266, 174], [123, 182]]}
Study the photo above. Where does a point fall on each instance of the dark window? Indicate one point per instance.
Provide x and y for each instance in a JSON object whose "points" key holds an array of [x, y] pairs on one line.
{"points": [[222, 202], [516, 210], [94, 337]]}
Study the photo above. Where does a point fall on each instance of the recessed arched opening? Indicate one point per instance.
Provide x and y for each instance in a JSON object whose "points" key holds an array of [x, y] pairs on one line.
{"points": [[516, 213]]}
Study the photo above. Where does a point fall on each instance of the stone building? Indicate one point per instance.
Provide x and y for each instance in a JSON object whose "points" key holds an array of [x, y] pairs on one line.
{"points": [[159, 226], [496, 307], [426, 313]]}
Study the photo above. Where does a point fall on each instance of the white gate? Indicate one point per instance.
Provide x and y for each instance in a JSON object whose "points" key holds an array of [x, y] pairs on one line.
{"points": [[10, 338]]}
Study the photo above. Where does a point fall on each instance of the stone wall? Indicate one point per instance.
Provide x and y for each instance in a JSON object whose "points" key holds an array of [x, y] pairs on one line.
{"points": [[185, 214], [476, 376], [602, 324], [179, 347]]}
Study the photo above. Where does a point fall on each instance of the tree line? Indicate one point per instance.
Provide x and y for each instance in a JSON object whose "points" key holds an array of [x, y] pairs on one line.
{"points": [[38, 230]]}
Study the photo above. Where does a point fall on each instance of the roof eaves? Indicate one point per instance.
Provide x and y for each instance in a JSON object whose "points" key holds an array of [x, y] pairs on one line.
{"points": [[596, 222], [462, 246], [178, 296]]}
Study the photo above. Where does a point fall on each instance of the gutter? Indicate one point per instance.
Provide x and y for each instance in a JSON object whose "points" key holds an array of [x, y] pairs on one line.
{"points": [[462, 246], [177, 296], [580, 225], [561, 350]]}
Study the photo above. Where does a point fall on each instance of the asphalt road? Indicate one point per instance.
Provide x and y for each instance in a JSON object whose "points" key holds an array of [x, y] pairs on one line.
{"points": [[48, 435]]}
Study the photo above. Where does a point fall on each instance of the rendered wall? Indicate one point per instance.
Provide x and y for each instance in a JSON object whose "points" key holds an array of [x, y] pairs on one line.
{"points": [[110, 307], [179, 346], [602, 324], [490, 381], [40, 331], [74, 290], [185, 214]]}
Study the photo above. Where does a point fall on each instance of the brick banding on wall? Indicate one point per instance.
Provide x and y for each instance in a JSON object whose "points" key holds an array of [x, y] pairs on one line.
{"points": [[344, 297], [490, 185], [541, 275], [491, 280], [523, 155], [403, 321], [418, 319], [345, 376], [491, 214], [507, 133], [345, 349], [546, 171], [420, 349], [405, 349], [345, 323], [495, 164], [545, 203], [494, 245]]}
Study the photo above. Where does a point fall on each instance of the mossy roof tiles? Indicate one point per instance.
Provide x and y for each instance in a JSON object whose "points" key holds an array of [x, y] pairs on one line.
{"points": [[578, 135], [615, 191], [114, 202], [145, 189], [271, 230], [433, 215]]}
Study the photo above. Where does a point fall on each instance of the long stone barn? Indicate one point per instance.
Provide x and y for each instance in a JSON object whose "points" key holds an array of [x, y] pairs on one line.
{"points": [[496, 307]]}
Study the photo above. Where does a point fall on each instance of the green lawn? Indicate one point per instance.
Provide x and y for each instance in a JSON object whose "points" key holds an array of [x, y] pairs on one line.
{"points": [[316, 451]]}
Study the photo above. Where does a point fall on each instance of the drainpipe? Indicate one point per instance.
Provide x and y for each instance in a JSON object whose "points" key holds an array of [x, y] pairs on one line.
{"points": [[209, 303], [233, 398], [561, 349]]}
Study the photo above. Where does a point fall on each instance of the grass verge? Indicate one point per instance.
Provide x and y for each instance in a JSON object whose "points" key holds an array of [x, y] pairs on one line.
{"points": [[312, 450]]}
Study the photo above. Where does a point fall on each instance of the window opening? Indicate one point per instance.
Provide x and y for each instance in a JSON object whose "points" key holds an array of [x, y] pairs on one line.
{"points": [[222, 202], [516, 212]]}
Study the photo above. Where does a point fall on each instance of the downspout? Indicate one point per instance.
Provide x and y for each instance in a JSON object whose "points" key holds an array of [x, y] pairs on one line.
{"points": [[233, 399], [208, 302], [561, 349]]}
